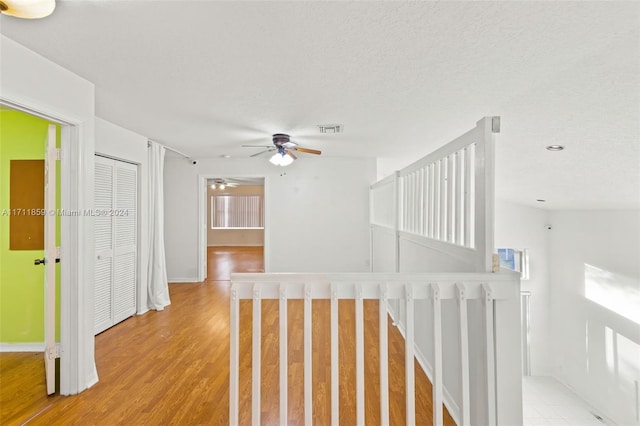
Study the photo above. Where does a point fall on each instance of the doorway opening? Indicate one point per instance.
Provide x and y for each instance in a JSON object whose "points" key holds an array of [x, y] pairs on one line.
{"points": [[29, 274], [235, 226]]}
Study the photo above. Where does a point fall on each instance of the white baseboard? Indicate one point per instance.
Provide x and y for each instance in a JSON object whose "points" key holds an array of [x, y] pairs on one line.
{"points": [[592, 407], [24, 347], [235, 245], [447, 399], [191, 280]]}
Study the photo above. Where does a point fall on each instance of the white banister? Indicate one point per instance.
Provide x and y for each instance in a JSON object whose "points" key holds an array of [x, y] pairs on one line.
{"points": [[284, 371], [255, 358], [335, 362], [469, 229], [437, 355], [308, 357], [463, 341], [408, 358], [459, 199], [359, 357], [234, 356], [384, 356], [384, 287], [487, 307]]}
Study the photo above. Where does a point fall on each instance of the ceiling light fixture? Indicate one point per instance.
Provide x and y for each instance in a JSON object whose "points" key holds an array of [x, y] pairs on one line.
{"points": [[281, 159], [27, 9], [555, 148], [222, 186], [213, 186]]}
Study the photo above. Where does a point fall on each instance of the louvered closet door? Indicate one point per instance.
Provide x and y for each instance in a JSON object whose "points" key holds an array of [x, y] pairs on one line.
{"points": [[125, 240], [116, 234], [103, 229]]}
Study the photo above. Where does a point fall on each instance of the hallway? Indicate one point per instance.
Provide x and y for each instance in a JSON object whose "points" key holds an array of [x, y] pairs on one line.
{"points": [[172, 367]]}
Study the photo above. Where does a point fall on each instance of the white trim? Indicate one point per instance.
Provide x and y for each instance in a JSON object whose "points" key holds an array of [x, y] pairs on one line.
{"points": [[235, 245], [203, 222], [25, 347], [184, 280], [76, 300], [463, 254], [22, 347]]}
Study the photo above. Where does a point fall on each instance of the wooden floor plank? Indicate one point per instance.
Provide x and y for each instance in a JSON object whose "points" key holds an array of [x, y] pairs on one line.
{"points": [[172, 367]]}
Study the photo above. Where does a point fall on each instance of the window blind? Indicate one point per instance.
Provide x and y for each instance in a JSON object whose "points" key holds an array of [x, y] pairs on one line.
{"points": [[237, 212]]}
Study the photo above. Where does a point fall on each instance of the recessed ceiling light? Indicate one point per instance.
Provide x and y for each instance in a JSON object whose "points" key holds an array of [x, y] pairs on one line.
{"points": [[555, 147], [225, 156]]}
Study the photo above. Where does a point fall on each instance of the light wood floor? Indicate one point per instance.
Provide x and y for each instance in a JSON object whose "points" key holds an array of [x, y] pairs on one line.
{"points": [[172, 367]]}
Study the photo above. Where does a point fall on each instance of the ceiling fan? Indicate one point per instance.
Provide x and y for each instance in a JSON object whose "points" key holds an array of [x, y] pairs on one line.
{"points": [[284, 147], [222, 184]]}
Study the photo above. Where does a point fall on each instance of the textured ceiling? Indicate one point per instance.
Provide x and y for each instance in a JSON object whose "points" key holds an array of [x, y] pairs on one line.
{"points": [[403, 78]]}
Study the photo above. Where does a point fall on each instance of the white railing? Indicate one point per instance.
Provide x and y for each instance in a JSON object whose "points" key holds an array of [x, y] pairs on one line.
{"points": [[488, 288], [444, 201]]}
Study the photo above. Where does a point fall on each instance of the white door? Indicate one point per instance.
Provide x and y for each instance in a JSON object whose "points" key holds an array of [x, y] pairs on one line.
{"points": [[116, 241], [50, 259]]}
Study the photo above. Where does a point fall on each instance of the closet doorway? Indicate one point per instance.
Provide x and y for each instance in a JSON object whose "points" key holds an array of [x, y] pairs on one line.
{"points": [[235, 226], [116, 241]]}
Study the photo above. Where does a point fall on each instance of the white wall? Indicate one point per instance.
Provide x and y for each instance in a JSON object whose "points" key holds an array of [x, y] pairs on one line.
{"points": [[519, 226], [316, 215], [31, 82], [595, 308], [119, 143]]}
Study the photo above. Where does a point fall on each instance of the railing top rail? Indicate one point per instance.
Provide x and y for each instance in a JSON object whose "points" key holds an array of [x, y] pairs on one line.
{"points": [[372, 285], [378, 277], [385, 181], [470, 137]]}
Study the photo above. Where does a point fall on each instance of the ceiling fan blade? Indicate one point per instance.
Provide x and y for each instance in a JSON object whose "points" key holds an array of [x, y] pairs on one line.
{"points": [[307, 150], [262, 152], [290, 154]]}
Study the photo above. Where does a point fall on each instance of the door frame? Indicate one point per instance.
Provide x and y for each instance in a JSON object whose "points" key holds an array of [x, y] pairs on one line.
{"points": [[202, 217], [77, 362]]}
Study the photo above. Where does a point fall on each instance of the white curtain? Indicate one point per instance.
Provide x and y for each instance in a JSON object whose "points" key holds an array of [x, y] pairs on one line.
{"points": [[158, 286]]}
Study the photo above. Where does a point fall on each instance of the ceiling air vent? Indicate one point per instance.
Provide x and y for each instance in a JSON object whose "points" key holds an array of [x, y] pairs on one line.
{"points": [[330, 128]]}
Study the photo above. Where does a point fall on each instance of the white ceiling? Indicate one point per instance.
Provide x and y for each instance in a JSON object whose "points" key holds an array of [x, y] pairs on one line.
{"points": [[402, 77]]}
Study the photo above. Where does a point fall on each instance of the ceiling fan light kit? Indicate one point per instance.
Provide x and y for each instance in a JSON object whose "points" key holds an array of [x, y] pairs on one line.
{"points": [[284, 147], [27, 9], [281, 159]]}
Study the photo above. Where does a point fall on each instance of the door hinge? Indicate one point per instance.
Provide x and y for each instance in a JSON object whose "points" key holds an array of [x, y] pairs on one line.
{"points": [[58, 154], [53, 352]]}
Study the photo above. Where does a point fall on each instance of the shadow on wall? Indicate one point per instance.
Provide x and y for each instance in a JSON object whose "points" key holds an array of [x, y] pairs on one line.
{"points": [[613, 341]]}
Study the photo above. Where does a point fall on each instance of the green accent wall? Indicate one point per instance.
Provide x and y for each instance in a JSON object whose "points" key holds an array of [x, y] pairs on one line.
{"points": [[22, 137]]}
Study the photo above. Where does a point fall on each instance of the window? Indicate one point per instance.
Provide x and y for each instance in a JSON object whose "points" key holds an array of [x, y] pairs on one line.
{"points": [[237, 212], [516, 260]]}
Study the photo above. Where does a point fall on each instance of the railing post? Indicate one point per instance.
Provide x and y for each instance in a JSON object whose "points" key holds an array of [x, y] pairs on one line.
{"points": [[284, 363], [234, 356], [487, 305], [359, 356], [335, 366], [463, 337], [308, 357], [384, 356], [408, 360], [437, 355], [255, 357]]}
